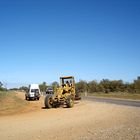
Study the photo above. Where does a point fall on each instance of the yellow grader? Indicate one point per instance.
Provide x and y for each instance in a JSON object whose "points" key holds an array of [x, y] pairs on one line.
{"points": [[64, 95]]}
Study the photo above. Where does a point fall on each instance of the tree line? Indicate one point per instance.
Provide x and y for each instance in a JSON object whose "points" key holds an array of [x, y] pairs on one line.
{"points": [[1, 87], [107, 86], [104, 86]]}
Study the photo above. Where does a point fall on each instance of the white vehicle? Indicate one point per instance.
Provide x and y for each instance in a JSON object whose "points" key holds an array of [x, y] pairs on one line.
{"points": [[33, 93]]}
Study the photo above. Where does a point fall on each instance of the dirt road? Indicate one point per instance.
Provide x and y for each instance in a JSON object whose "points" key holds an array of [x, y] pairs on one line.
{"points": [[85, 121]]}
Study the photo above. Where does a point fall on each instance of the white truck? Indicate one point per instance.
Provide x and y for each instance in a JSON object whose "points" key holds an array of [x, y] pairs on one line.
{"points": [[33, 92]]}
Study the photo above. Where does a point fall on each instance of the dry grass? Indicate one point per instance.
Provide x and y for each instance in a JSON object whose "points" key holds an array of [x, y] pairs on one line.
{"points": [[117, 95], [10, 103]]}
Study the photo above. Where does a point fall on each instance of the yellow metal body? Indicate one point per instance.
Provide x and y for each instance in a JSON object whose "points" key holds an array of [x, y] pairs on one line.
{"points": [[64, 95], [66, 89]]}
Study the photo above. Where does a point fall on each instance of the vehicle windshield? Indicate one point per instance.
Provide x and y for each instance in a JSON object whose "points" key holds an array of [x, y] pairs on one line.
{"points": [[66, 81], [35, 90], [49, 88]]}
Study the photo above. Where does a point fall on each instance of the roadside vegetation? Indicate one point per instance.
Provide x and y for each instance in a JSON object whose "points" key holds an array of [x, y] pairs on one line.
{"points": [[110, 88], [119, 95], [10, 103], [103, 88]]}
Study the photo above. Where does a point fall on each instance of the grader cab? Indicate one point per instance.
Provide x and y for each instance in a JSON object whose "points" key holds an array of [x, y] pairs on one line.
{"points": [[64, 95]]}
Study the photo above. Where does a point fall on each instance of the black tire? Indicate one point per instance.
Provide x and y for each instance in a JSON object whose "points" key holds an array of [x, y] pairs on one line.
{"points": [[78, 96], [70, 102], [27, 98], [48, 101]]}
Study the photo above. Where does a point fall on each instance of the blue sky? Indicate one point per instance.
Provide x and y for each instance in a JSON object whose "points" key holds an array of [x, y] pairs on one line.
{"points": [[90, 39]]}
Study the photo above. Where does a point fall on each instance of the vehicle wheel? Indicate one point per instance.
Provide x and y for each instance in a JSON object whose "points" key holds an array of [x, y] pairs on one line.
{"points": [[48, 101], [37, 98], [70, 102], [27, 98], [56, 105], [78, 96]]}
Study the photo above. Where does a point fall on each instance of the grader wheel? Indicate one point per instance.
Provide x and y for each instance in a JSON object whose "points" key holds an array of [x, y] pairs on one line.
{"points": [[48, 101], [70, 102]]}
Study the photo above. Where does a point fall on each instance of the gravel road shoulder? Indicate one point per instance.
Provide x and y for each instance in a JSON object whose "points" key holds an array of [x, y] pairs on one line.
{"points": [[85, 121]]}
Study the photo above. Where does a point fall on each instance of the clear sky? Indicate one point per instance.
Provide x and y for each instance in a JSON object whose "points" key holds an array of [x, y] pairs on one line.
{"points": [[41, 40]]}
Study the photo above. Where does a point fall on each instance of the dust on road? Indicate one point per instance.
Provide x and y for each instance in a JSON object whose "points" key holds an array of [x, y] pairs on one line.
{"points": [[85, 121]]}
